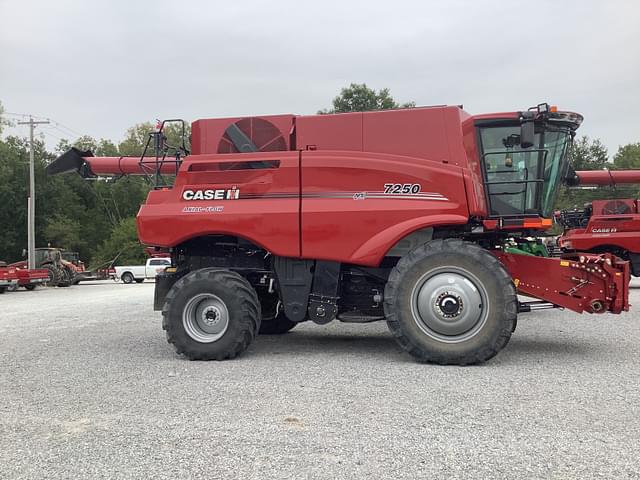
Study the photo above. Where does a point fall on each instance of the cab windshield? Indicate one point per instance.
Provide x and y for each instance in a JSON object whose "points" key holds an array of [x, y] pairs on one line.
{"points": [[523, 181]]}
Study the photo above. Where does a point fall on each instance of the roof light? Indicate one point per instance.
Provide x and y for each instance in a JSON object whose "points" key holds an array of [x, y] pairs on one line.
{"points": [[553, 108]]}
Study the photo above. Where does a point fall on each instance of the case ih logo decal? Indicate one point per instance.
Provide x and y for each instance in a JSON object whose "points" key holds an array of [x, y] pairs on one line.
{"points": [[604, 230], [217, 194]]}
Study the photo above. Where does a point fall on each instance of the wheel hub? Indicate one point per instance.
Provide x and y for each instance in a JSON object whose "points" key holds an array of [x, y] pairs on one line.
{"points": [[211, 316], [205, 318], [449, 304]]}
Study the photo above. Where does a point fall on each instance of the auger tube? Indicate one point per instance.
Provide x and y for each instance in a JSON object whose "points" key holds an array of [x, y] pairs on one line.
{"points": [[87, 165]]}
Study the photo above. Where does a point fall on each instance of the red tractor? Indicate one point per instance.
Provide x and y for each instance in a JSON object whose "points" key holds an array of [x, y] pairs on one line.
{"points": [[397, 215], [76, 267], [60, 271], [605, 225]]}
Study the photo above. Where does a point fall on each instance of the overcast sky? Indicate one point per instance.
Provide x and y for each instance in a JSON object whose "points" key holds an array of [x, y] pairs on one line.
{"points": [[100, 67]]}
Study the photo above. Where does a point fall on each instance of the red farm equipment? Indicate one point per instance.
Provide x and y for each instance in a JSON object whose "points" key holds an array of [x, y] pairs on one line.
{"points": [[398, 215], [60, 272], [6, 280], [76, 267], [12, 277], [603, 226]]}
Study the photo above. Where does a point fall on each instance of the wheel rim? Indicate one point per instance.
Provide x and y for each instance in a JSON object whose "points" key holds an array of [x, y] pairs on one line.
{"points": [[205, 318], [449, 304]]}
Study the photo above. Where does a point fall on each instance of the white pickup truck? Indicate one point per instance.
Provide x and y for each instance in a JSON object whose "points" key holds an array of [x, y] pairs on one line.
{"points": [[138, 273]]}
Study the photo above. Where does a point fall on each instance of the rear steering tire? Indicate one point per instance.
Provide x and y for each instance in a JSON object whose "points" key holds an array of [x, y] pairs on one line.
{"points": [[450, 302], [211, 314]]}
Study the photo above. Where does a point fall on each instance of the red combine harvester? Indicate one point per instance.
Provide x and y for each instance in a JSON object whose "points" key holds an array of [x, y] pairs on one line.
{"points": [[397, 215], [611, 226]]}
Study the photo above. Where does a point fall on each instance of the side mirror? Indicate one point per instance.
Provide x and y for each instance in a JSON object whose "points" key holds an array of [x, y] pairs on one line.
{"points": [[527, 134]]}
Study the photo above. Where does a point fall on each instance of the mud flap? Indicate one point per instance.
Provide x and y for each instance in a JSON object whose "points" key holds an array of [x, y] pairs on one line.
{"points": [[580, 282], [164, 282]]}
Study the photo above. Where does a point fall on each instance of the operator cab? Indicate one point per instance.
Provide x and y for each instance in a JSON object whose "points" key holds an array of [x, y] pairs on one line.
{"points": [[524, 159]]}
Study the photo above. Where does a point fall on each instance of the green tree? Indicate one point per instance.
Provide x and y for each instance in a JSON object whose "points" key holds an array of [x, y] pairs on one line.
{"points": [[13, 198], [100, 148], [122, 244], [137, 136], [627, 157], [360, 98], [589, 154], [60, 230]]}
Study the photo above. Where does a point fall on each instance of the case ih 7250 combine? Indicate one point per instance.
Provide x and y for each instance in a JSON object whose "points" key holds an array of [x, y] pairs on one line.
{"points": [[399, 215]]}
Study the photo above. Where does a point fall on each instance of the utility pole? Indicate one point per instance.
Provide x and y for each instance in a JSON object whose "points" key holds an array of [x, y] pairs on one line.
{"points": [[31, 209]]}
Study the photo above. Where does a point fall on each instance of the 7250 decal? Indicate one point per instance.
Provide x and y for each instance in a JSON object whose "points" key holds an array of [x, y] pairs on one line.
{"points": [[401, 188]]}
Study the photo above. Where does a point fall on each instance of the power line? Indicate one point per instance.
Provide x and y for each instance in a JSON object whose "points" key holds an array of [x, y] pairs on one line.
{"points": [[59, 130], [52, 135], [67, 128], [57, 124]]}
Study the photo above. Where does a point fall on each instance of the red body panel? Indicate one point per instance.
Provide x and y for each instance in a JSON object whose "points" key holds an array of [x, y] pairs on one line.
{"points": [[430, 133], [347, 217], [166, 219], [206, 134]]}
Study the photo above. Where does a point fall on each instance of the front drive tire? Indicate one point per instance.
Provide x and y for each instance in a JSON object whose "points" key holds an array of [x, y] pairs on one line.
{"points": [[450, 302], [211, 314]]}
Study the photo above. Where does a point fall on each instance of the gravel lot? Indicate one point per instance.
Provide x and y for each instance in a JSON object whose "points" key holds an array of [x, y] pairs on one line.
{"points": [[89, 388]]}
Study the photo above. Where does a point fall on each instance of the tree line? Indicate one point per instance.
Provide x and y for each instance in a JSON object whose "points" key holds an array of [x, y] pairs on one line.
{"points": [[97, 218]]}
